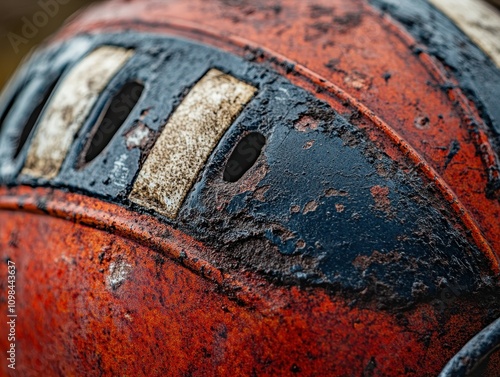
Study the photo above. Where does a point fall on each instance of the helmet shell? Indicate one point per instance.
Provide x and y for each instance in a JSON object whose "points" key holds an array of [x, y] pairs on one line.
{"points": [[361, 238]]}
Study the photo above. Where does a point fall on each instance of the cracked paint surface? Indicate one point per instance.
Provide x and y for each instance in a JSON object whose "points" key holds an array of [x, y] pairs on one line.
{"points": [[365, 130]]}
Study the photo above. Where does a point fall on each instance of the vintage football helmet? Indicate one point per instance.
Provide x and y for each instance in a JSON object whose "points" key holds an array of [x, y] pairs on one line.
{"points": [[253, 188]]}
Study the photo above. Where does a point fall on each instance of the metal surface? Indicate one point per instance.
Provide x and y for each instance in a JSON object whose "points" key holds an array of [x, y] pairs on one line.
{"points": [[361, 241]]}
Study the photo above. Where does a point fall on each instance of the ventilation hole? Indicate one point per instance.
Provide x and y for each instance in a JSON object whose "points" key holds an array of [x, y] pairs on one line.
{"points": [[116, 112], [33, 119], [9, 107], [244, 156]]}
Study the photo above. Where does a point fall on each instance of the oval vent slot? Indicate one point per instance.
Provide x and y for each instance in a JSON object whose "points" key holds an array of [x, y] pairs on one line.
{"points": [[33, 119], [115, 113], [9, 107], [244, 156]]}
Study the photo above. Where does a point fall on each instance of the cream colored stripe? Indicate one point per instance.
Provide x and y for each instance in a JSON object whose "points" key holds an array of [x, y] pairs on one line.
{"points": [[68, 109], [478, 19], [187, 140]]}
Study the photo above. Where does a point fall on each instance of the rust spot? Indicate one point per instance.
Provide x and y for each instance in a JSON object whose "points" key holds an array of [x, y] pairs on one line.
{"points": [[308, 145], [119, 271], [332, 192], [310, 207], [340, 208], [363, 262], [306, 123], [283, 233], [358, 81], [381, 197], [225, 192], [381, 170], [295, 209], [260, 192], [254, 176], [422, 122], [145, 112], [300, 244]]}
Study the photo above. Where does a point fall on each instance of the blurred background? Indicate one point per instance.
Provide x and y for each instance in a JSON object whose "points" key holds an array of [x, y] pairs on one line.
{"points": [[16, 14], [15, 43]]}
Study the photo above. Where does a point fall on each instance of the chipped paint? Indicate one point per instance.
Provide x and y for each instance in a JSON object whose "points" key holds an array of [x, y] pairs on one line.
{"points": [[308, 144], [69, 108], [306, 123], [364, 262], [118, 273], [358, 81], [340, 207], [188, 139], [138, 137], [422, 122], [332, 192], [259, 194], [310, 207], [381, 197], [120, 172]]}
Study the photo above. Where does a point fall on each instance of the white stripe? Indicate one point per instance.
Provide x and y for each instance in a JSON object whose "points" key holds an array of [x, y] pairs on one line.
{"points": [[69, 108], [187, 141]]}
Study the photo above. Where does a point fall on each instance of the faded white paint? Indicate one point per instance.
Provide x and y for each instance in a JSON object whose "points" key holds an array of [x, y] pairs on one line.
{"points": [[69, 108], [118, 273], [138, 137], [478, 19], [120, 172], [187, 140]]}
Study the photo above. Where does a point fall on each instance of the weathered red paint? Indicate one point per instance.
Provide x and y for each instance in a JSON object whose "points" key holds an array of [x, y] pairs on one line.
{"points": [[175, 314], [169, 317]]}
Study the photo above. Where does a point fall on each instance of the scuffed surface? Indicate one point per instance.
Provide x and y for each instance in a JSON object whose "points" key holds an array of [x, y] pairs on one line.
{"points": [[299, 216], [171, 316]]}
